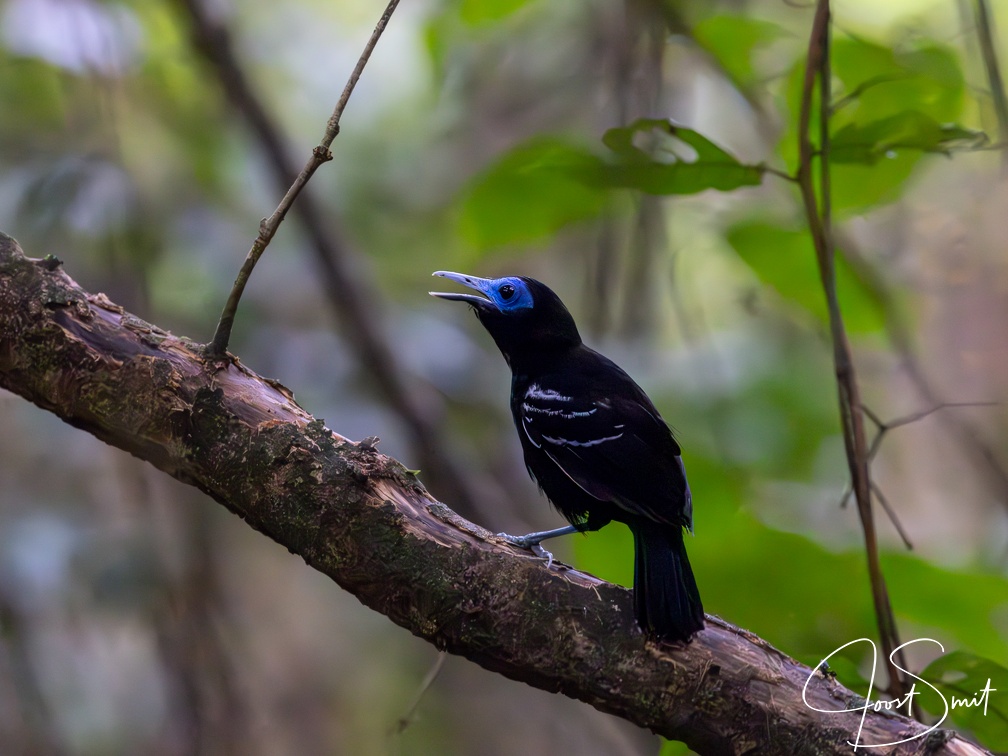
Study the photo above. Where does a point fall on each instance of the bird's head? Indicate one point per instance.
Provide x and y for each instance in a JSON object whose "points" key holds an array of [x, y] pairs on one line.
{"points": [[525, 317]]}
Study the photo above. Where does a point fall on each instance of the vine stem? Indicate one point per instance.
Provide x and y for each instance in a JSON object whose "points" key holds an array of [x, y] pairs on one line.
{"points": [[268, 227], [819, 217], [988, 50]]}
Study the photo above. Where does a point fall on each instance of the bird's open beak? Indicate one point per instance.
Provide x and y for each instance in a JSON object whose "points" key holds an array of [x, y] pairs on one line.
{"points": [[479, 284]]}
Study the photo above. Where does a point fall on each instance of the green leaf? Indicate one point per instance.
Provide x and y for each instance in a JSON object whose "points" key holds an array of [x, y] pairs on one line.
{"points": [[674, 748], [908, 130], [877, 82], [530, 193], [917, 89], [858, 187], [546, 183], [884, 97], [784, 259], [678, 161], [961, 677], [967, 606], [732, 40], [476, 12]]}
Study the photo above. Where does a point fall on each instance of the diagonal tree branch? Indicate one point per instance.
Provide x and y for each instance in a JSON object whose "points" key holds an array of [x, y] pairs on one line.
{"points": [[364, 520]]}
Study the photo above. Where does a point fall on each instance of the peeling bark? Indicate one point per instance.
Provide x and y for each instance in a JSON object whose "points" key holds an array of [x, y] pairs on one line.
{"points": [[364, 520]]}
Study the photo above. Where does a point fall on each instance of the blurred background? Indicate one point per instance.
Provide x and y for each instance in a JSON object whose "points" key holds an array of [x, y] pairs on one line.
{"points": [[141, 142]]}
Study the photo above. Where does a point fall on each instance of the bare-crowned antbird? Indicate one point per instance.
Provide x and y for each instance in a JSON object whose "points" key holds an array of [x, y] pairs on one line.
{"points": [[595, 444]]}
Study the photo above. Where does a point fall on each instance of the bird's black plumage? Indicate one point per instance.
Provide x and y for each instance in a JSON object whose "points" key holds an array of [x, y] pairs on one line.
{"points": [[594, 443]]}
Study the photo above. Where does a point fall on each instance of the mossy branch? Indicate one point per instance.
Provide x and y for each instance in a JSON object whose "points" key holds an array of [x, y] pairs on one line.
{"points": [[365, 521]]}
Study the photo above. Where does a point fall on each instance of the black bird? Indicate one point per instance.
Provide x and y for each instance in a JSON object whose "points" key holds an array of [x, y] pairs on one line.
{"points": [[594, 443]]}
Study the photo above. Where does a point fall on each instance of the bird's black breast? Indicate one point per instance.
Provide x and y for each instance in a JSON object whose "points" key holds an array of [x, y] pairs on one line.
{"points": [[596, 445]]}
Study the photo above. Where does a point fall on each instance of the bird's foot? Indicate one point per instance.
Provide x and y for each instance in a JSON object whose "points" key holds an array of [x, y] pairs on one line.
{"points": [[542, 553], [531, 543], [522, 542]]}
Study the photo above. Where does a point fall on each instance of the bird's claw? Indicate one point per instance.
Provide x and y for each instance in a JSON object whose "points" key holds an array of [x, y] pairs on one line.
{"points": [[538, 550], [523, 542]]}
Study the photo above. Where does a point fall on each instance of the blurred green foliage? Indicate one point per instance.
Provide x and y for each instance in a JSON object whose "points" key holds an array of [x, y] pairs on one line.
{"points": [[540, 186], [530, 193], [967, 685], [781, 259], [733, 40], [487, 11]]}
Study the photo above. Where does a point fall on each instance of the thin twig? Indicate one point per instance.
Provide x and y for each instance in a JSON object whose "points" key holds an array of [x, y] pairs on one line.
{"points": [[864, 86], [912, 418], [354, 300], [899, 334], [883, 428], [886, 426], [268, 227], [892, 514], [852, 419], [409, 715], [985, 33], [778, 173]]}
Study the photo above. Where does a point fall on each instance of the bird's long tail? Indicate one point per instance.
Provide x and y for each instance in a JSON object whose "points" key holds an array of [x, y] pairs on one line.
{"points": [[666, 598]]}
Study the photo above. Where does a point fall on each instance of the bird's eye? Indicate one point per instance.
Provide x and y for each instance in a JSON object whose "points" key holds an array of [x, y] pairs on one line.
{"points": [[507, 291]]}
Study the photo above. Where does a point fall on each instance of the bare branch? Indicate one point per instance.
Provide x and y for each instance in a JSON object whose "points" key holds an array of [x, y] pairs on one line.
{"points": [[407, 718], [332, 126], [884, 427], [876, 444], [892, 514], [321, 154], [817, 68], [364, 520], [900, 335], [355, 301]]}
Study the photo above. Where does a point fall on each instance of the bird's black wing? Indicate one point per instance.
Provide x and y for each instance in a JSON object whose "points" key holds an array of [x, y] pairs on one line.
{"points": [[610, 441]]}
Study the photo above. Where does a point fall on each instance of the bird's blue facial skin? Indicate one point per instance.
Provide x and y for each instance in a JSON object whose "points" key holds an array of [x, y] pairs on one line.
{"points": [[505, 295], [508, 294]]}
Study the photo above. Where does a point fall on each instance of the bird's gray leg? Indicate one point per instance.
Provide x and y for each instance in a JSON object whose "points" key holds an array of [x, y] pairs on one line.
{"points": [[532, 541]]}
